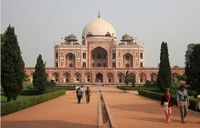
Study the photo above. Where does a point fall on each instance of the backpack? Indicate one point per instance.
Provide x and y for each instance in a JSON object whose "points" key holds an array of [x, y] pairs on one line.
{"points": [[79, 93]]}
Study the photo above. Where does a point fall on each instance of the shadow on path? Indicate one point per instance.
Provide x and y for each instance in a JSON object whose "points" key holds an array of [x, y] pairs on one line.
{"points": [[151, 119], [43, 124]]}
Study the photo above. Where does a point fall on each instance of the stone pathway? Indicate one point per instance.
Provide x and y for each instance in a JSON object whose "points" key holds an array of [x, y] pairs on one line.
{"points": [[127, 109], [132, 111], [62, 112]]}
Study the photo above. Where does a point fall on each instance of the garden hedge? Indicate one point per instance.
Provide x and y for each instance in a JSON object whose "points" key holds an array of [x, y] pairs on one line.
{"points": [[19, 104], [157, 96]]}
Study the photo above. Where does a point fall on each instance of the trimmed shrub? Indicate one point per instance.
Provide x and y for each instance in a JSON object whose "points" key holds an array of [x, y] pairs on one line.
{"points": [[151, 88], [13, 106], [51, 83], [147, 83], [153, 95]]}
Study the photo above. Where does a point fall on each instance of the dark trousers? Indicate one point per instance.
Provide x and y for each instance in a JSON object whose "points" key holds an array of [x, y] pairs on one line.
{"points": [[79, 99], [87, 98]]}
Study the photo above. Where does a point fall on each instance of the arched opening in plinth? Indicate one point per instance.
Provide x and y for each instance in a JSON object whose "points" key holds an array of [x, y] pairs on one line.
{"points": [[99, 77], [77, 77], [88, 77], [66, 78], [153, 77], [120, 77], [143, 78], [110, 77], [56, 76]]}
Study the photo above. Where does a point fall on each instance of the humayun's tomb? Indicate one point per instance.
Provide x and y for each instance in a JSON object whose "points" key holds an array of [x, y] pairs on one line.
{"points": [[100, 58]]}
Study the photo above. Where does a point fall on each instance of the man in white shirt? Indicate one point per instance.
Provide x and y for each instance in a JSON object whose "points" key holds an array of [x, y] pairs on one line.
{"points": [[183, 102]]}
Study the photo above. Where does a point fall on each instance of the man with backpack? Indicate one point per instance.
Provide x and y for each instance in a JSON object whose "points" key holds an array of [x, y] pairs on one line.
{"points": [[79, 94]]}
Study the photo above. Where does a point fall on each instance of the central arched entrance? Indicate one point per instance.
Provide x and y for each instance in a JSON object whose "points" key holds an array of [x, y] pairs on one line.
{"points": [[99, 57], [99, 77]]}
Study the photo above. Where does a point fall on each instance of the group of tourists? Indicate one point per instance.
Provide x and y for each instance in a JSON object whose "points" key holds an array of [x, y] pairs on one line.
{"points": [[80, 93], [182, 101]]}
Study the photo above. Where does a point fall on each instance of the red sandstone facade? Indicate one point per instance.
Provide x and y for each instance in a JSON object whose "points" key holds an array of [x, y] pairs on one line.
{"points": [[100, 58]]}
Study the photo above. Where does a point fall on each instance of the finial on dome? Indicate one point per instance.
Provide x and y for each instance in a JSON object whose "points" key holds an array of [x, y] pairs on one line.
{"points": [[99, 14]]}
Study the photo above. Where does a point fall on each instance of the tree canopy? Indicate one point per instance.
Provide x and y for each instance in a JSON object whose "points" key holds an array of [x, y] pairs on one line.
{"points": [[12, 65], [192, 69], [39, 77], [164, 74]]}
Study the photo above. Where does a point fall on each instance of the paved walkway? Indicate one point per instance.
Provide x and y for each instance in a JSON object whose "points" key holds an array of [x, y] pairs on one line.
{"points": [[132, 111], [127, 109], [62, 112]]}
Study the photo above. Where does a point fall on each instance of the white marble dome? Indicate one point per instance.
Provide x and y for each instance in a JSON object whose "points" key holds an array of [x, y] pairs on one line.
{"points": [[99, 27]]}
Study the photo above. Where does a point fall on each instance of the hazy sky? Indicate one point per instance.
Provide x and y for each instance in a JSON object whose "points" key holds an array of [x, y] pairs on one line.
{"points": [[40, 24]]}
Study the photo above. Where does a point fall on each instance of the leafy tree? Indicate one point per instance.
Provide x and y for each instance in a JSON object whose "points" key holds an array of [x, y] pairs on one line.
{"points": [[132, 82], [164, 74], [2, 40], [192, 70], [12, 65], [127, 78], [39, 76]]}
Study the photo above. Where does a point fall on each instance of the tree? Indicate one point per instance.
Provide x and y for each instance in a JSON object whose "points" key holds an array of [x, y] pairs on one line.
{"points": [[192, 62], [39, 76], [127, 78], [12, 65], [132, 82], [164, 74]]}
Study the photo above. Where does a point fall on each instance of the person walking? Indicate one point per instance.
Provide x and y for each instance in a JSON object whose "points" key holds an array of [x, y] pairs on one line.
{"points": [[183, 102], [198, 101], [82, 90], [87, 94], [167, 103], [79, 94]]}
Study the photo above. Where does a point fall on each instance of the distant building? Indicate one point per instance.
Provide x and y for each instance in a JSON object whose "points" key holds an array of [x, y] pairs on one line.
{"points": [[100, 58]]}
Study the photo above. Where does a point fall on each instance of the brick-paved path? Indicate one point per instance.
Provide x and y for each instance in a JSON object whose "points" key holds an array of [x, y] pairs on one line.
{"points": [[127, 109], [62, 112], [132, 111]]}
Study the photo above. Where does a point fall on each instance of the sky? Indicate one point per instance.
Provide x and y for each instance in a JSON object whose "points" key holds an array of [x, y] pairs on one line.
{"points": [[40, 24]]}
